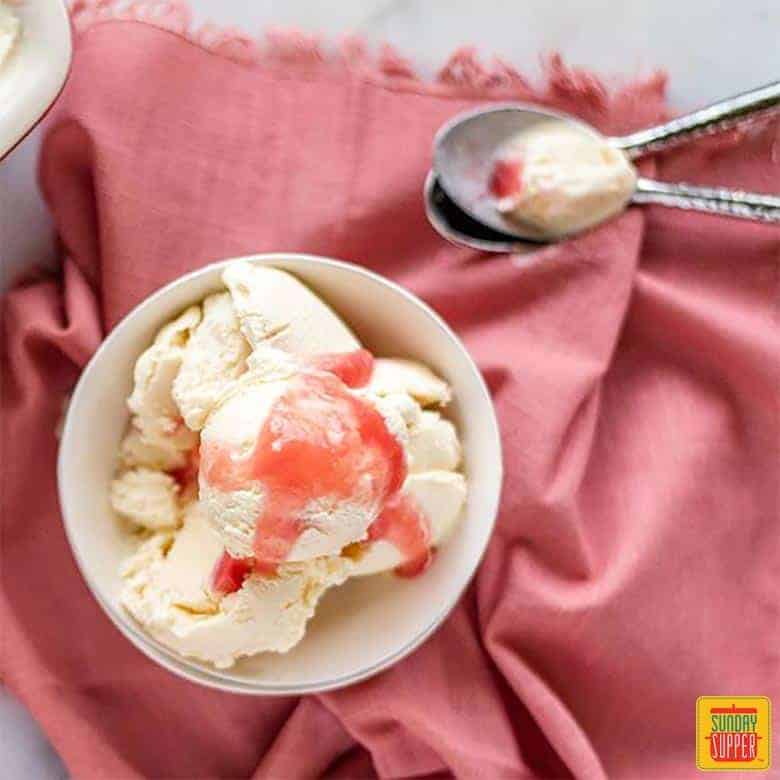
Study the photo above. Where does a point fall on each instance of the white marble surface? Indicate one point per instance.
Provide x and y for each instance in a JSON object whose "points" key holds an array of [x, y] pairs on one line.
{"points": [[710, 50]]}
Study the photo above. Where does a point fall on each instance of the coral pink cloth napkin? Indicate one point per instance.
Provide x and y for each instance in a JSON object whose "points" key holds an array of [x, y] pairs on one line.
{"points": [[635, 372]]}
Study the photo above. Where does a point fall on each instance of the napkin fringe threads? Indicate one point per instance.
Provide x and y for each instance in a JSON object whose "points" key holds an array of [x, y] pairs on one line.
{"points": [[464, 74]]}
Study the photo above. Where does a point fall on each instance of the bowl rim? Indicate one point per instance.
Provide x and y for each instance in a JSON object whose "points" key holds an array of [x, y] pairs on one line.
{"points": [[184, 667], [31, 114]]}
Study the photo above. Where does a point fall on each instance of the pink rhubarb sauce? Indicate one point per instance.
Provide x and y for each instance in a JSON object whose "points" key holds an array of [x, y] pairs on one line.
{"points": [[403, 525], [187, 475], [506, 178], [319, 440], [354, 369], [229, 573]]}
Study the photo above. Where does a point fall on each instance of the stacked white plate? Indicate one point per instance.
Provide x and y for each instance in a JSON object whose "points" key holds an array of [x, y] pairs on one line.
{"points": [[35, 71]]}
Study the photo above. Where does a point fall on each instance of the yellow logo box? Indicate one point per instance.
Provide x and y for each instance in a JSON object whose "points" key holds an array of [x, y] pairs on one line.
{"points": [[733, 733]]}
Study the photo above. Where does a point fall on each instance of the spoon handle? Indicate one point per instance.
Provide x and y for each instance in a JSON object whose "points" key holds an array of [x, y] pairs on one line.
{"points": [[720, 116], [714, 200]]}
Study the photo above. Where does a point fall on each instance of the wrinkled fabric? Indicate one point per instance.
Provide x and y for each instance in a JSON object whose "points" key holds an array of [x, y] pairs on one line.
{"points": [[635, 563]]}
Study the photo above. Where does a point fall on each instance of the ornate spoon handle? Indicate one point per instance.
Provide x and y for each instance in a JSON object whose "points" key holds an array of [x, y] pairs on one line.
{"points": [[714, 200], [723, 115]]}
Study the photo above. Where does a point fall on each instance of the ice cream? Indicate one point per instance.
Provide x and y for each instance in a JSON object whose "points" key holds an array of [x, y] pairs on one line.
{"points": [[10, 29], [270, 457], [558, 179], [393, 376], [146, 497], [215, 355], [296, 468], [168, 592], [439, 496], [274, 309], [155, 414]]}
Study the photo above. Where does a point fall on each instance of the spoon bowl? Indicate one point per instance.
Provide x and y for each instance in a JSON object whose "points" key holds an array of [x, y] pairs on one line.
{"points": [[465, 151], [457, 227]]}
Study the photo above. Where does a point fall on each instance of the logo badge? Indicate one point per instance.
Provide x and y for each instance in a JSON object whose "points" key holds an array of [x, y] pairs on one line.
{"points": [[733, 733]]}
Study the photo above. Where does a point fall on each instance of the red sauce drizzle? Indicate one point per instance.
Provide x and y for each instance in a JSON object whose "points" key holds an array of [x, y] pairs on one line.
{"points": [[506, 178], [319, 440], [229, 573], [403, 525], [187, 475], [354, 369]]}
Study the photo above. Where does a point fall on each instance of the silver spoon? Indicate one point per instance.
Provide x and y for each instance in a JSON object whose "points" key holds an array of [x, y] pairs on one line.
{"points": [[464, 152]]}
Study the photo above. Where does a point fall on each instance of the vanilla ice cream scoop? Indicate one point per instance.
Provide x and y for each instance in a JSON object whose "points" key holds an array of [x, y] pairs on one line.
{"points": [[155, 413], [146, 497], [167, 590], [214, 356], [333, 486], [275, 309], [430, 441], [399, 376], [559, 179], [296, 468], [160, 455]]}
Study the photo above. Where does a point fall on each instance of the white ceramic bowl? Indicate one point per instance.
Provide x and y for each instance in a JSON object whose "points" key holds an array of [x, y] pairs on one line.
{"points": [[33, 75], [361, 627]]}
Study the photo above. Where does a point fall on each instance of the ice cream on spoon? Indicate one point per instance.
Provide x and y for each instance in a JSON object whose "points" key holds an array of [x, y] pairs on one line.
{"points": [[530, 173], [510, 176], [556, 179]]}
